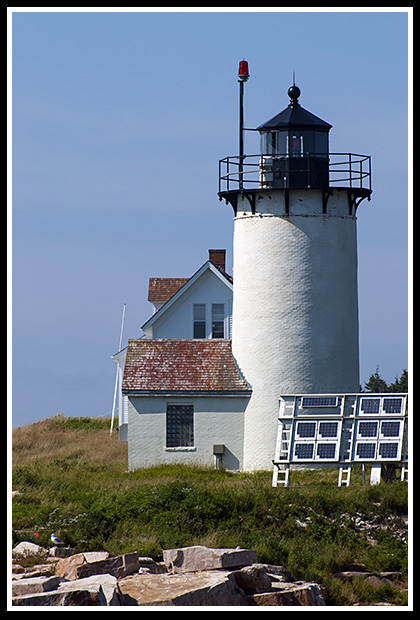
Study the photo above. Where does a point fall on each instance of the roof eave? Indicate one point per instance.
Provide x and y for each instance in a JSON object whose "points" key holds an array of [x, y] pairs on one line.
{"points": [[287, 118], [190, 393]]}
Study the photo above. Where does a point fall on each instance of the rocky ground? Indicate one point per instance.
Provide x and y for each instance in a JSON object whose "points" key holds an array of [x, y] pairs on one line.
{"points": [[191, 576]]}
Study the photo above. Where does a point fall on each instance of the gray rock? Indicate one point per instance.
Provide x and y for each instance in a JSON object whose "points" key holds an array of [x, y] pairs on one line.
{"points": [[197, 558], [199, 588], [61, 552], [253, 579], [78, 566], [27, 549], [199, 577], [108, 584], [72, 598], [34, 585], [296, 594]]}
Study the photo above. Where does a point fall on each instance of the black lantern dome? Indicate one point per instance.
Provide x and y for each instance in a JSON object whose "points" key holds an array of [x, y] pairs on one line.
{"points": [[295, 144]]}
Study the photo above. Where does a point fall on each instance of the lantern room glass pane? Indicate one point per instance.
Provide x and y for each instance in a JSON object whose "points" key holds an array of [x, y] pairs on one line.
{"points": [[321, 144], [295, 143], [274, 143]]}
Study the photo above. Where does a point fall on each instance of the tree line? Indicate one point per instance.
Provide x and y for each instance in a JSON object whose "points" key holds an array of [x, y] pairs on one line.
{"points": [[376, 383]]}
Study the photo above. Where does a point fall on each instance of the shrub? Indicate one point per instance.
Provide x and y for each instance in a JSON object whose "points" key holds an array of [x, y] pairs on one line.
{"points": [[73, 481]]}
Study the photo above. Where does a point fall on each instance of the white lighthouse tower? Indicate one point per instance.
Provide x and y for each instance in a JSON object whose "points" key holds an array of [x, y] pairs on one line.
{"points": [[295, 303]]}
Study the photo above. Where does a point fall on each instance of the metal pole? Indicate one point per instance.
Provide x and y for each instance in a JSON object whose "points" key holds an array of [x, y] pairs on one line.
{"points": [[243, 75], [116, 374], [241, 133]]}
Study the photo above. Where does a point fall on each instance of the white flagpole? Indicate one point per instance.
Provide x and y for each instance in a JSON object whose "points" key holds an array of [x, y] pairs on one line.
{"points": [[116, 375]]}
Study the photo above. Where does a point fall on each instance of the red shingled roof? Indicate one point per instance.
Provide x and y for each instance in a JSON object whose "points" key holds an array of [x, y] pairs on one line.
{"points": [[182, 365], [162, 289]]}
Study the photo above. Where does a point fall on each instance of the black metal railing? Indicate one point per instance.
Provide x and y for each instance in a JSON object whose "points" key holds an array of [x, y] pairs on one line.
{"points": [[306, 171]]}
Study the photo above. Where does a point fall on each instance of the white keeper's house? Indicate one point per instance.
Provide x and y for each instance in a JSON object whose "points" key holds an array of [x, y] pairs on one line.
{"points": [[202, 385]]}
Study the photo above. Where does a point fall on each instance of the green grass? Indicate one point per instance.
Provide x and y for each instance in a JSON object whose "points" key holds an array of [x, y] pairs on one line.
{"points": [[73, 480]]}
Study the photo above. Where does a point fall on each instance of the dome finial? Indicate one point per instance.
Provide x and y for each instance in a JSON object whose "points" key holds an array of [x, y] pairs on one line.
{"points": [[294, 92]]}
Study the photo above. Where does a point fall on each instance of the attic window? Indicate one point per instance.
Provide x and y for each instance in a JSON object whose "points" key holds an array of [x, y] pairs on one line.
{"points": [[217, 321], [199, 320]]}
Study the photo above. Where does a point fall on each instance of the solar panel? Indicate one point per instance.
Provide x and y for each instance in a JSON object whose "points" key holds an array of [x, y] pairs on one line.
{"points": [[319, 401], [326, 451], [367, 429], [392, 405], [304, 451], [328, 429], [365, 450], [388, 450], [356, 428], [306, 429], [390, 428], [370, 405]]}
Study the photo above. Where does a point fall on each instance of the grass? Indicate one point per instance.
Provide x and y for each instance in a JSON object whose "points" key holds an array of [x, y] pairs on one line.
{"points": [[73, 479]]}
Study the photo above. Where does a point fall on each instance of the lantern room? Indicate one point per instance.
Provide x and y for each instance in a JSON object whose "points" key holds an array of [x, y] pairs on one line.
{"points": [[294, 148]]}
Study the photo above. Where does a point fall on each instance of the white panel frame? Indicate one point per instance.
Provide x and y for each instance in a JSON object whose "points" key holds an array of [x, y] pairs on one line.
{"points": [[352, 422]]}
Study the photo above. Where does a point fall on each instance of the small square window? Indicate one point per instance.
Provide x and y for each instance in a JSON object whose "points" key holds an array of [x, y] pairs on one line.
{"points": [[179, 426]]}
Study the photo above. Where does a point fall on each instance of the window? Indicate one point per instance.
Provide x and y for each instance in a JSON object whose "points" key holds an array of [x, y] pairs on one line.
{"points": [[199, 321], [296, 145], [217, 321], [179, 426]]}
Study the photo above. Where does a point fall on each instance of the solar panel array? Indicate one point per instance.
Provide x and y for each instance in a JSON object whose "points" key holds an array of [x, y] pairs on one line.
{"points": [[341, 429]]}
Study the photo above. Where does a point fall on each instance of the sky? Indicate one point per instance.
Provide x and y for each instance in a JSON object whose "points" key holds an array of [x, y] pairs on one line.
{"points": [[117, 122]]}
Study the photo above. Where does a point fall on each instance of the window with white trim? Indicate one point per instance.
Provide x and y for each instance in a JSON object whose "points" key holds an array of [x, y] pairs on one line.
{"points": [[218, 321], [199, 321]]}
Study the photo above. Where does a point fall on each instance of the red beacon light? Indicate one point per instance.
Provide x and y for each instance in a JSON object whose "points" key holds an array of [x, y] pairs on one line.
{"points": [[243, 73]]}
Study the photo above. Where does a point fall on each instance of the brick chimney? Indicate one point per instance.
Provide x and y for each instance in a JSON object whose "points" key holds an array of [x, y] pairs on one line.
{"points": [[218, 258]]}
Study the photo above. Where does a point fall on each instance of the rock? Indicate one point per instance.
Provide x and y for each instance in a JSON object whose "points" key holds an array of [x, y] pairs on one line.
{"points": [[377, 582], [253, 579], [27, 549], [349, 575], [61, 552], [67, 568], [102, 579], [370, 578], [149, 565], [278, 573], [97, 556], [34, 585], [249, 586], [73, 598], [39, 570], [197, 558], [108, 583], [78, 566], [199, 588], [292, 595]]}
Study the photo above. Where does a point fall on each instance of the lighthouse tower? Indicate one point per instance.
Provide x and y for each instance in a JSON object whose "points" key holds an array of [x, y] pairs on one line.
{"points": [[295, 303]]}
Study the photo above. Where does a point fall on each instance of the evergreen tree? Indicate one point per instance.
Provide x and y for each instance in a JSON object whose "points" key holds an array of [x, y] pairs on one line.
{"points": [[400, 384], [376, 383]]}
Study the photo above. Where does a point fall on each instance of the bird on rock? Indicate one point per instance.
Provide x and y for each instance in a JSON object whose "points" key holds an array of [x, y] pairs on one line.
{"points": [[56, 540]]}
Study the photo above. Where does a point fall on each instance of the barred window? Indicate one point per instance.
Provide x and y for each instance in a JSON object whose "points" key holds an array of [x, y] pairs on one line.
{"points": [[179, 426]]}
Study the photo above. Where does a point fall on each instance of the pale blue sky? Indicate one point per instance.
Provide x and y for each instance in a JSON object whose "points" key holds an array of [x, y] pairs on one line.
{"points": [[119, 121]]}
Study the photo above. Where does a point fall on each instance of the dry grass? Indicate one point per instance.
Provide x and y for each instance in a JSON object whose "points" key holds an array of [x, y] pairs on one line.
{"points": [[52, 439]]}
